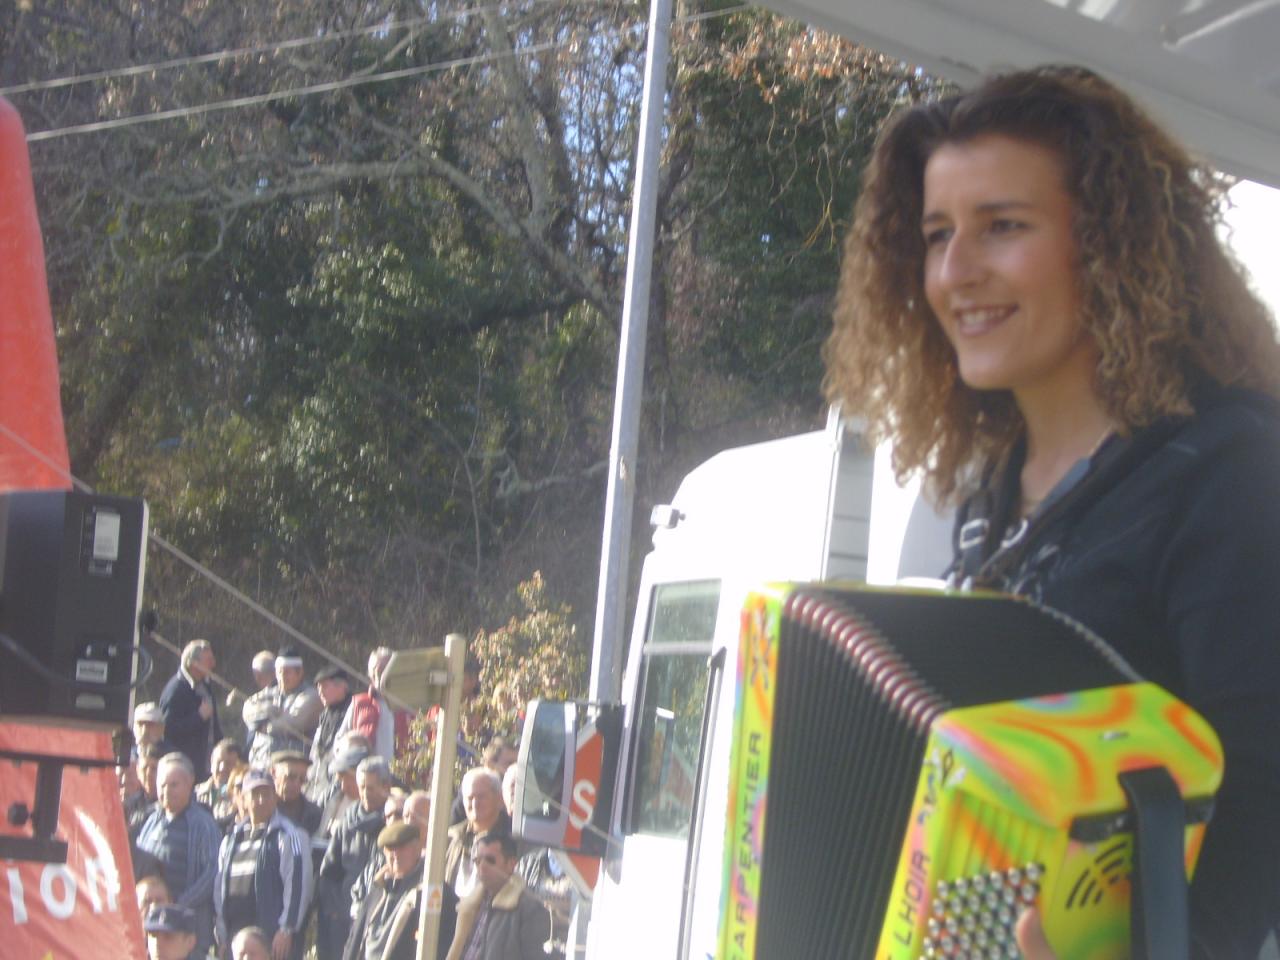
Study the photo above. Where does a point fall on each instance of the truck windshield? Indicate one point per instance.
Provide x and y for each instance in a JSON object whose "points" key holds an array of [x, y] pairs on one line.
{"points": [[682, 624]]}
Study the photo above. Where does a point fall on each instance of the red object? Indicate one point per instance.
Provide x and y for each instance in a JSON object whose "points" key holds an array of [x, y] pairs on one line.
{"points": [[365, 713], [85, 907], [33, 444]]}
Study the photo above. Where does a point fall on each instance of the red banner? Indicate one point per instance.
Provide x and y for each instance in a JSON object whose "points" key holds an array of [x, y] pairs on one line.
{"points": [[85, 907], [33, 445]]}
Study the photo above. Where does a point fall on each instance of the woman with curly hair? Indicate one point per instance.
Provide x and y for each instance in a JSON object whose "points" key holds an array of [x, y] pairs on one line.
{"points": [[1034, 305]]}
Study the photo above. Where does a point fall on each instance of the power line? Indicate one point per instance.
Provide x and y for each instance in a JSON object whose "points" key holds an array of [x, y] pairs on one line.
{"points": [[234, 53], [217, 56], [335, 85], [261, 98]]}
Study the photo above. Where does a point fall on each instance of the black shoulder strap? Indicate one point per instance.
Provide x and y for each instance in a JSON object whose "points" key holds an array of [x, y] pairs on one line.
{"points": [[1159, 927]]}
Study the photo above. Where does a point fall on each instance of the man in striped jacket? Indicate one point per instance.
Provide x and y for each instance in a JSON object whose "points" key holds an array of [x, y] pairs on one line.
{"points": [[181, 839], [264, 873]]}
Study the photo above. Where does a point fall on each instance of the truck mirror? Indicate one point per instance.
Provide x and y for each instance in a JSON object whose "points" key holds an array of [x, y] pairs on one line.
{"points": [[568, 765], [542, 808]]}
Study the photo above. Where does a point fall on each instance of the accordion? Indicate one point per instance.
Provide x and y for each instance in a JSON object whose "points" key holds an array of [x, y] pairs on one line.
{"points": [[911, 770]]}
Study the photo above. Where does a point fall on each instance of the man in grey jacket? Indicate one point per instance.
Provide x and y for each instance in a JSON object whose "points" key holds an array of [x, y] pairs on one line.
{"points": [[282, 717]]}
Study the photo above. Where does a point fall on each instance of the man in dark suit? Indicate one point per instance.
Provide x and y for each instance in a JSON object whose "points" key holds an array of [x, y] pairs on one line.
{"points": [[190, 713]]}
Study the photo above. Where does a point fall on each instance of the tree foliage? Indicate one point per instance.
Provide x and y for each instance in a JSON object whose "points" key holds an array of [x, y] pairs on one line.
{"points": [[536, 654]]}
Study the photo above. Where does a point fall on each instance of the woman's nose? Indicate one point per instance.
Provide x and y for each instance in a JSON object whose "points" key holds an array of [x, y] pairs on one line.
{"points": [[961, 262]]}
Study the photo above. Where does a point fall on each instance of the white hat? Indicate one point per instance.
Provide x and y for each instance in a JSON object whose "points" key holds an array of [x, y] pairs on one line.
{"points": [[148, 712]]}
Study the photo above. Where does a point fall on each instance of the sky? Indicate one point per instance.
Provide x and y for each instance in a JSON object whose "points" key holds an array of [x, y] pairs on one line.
{"points": [[1254, 223]]}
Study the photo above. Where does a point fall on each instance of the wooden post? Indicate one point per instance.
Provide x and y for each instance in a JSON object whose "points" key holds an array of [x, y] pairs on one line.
{"points": [[431, 896]]}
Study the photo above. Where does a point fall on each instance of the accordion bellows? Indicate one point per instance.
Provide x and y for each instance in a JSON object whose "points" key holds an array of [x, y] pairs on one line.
{"points": [[911, 769]]}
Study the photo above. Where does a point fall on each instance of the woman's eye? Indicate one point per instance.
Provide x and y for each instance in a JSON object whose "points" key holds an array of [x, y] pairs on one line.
{"points": [[1005, 226], [936, 236]]}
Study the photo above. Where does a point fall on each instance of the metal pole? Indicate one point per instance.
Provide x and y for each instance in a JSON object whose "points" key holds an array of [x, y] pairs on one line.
{"points": [[606, 666], [432, 894]]}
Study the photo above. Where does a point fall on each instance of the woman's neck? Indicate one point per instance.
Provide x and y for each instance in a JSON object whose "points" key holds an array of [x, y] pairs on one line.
{"points": [[1058, 438]]}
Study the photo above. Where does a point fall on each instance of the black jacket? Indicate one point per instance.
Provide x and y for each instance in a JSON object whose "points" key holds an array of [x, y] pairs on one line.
{"points": [[1169, 549], [183, 725]]}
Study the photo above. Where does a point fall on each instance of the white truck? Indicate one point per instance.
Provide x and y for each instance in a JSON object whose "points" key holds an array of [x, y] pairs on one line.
{"points": [[649, 788]]}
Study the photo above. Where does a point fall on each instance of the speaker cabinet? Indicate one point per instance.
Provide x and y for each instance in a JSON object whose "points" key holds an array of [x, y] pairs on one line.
{"points": [[71, 573]]}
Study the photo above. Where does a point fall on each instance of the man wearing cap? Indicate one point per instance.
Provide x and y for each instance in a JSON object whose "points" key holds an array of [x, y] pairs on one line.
{"points": [[264, 669], [282, 717], [351, 846], [148, 728], [386, 924], [171, 932], [190, 714], [182, 838], [289, 770], [500, 919], [344, 794], [334, 687], [264, 873]]}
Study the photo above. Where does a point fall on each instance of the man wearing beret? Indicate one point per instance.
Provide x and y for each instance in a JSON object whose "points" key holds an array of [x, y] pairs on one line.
{"points": [[500, 919], [386, 926], [264, 873], [171, 932]]}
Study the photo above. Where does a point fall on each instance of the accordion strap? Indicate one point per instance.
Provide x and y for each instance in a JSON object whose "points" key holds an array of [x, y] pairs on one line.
{"points": [[1158, 891]]}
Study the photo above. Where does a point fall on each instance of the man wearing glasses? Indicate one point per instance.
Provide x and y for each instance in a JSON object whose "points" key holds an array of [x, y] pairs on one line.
{"points": [[500, 919]]}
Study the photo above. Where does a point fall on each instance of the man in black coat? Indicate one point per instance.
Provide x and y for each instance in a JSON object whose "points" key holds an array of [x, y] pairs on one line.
{"points": [[386, 924], [190, 713]]}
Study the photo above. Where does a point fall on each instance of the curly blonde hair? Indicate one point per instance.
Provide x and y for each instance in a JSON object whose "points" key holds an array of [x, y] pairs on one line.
{"points": [[1167, 304]]}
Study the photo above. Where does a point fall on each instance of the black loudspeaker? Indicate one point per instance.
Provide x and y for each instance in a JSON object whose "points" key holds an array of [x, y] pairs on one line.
{"points": [[71, 571]]}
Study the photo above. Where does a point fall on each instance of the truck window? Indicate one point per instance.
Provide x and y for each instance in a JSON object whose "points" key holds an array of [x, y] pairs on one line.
{"points": [[674, 685]]}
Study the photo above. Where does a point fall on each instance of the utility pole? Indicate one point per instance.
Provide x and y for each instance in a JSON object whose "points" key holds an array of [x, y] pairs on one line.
{"points": [[607, 641], [431, 897]]}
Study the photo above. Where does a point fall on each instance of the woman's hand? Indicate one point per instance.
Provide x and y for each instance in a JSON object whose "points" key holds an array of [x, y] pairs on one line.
{"points": [[1030, 936]]}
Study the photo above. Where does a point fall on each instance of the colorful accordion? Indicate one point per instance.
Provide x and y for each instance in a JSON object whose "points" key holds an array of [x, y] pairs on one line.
{"points": [[911, 769]]}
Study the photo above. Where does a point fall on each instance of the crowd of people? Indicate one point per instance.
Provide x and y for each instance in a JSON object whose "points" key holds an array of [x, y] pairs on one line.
{"points": [[300, 840]]}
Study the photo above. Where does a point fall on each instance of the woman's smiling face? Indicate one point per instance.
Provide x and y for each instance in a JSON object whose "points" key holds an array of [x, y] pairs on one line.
{"points": [[1000, 269]]}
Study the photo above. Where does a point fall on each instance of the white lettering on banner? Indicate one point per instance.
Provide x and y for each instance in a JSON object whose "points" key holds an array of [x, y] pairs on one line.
{"points": [[94, 877], [100, 869], [59, 908], [584, 803], [16, 896]]}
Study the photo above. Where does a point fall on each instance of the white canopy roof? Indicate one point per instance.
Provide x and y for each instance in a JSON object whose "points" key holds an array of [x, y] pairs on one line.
{"points": [[1209, 69]]}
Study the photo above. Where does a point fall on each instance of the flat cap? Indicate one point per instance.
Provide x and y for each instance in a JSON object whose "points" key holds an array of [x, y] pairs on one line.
{"points": [[398, 834], [148, 712], [332, 672], [170, 918], [347, 759], [284, 756]]}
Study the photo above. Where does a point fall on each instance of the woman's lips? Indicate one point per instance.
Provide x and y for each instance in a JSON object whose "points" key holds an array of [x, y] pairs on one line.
{"points": [[975, 321]]}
